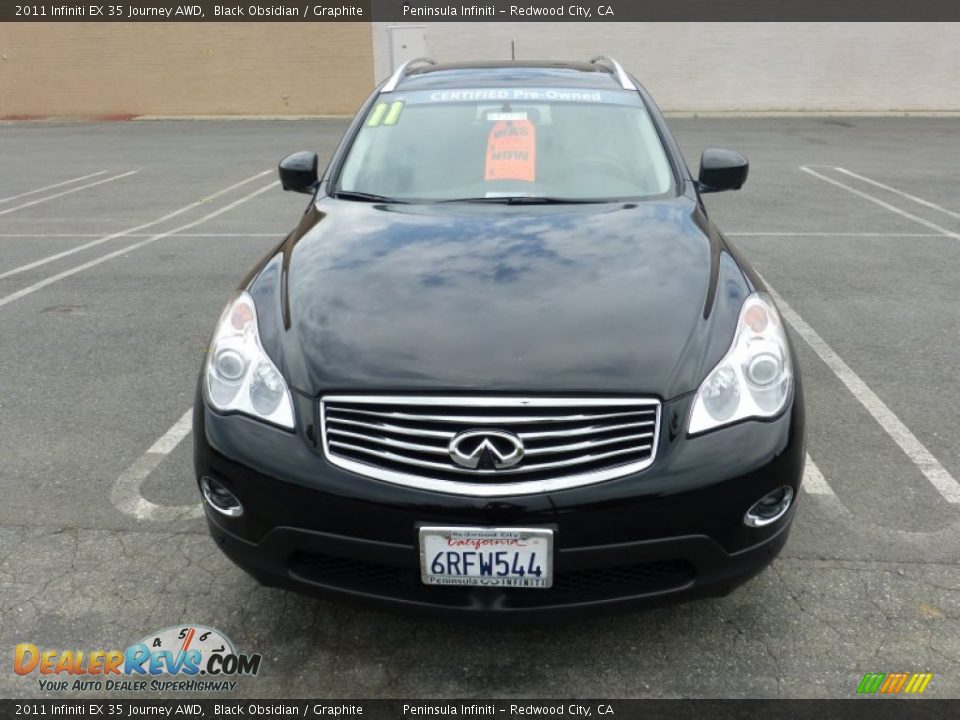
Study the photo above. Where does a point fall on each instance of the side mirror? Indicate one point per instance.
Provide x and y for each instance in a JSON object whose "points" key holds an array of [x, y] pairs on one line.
{"points": [[298, 172], [722, 170]]}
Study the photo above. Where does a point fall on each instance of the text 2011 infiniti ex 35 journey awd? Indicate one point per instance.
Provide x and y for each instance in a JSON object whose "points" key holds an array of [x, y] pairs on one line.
{"points": [[505, 363]]}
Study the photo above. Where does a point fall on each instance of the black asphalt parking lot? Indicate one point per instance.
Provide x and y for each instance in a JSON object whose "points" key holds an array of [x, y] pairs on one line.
{"points": [[110, 286]]}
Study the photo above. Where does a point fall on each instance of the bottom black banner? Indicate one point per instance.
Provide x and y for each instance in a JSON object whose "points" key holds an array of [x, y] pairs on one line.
{"points": [[867, 709]]}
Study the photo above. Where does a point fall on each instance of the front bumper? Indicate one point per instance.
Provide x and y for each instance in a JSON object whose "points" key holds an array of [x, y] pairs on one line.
{"points": [[672, 532], [644, 573]]}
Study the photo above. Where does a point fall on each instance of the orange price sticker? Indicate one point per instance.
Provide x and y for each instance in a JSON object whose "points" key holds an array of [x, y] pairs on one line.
{"points": [[512, 151]]}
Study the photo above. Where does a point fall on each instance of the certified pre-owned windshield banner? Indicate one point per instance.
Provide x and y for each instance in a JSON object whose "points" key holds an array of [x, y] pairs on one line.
{"points": [[854, 709], [490, 11]]}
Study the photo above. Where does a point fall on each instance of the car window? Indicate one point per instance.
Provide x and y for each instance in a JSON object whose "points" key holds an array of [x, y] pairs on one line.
{"points": [[489, 143]]}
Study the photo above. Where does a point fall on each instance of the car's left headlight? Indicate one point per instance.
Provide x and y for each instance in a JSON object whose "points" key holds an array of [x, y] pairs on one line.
{"points": [[240, 376], [754, 379]]}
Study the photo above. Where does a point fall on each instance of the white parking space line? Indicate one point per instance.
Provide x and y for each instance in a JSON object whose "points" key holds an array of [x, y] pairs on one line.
{"points": [[931, 468], [918, 200], [823, 234], [813, 480], [130, 231], [125, 494], [882, 203], [172, 437], [126, 234], [51, 187], [7, 299], [67, 192]]}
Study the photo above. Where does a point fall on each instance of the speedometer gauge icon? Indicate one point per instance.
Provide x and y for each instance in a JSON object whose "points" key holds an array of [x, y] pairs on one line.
{"points": [[183, 638]]}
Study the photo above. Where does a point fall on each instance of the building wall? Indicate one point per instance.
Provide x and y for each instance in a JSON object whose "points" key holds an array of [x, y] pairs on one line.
{"points": [[118, 69], [737, 66]]}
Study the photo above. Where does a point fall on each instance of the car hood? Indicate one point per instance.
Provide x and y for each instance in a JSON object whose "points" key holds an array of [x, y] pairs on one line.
{"points": [[617, 298]]}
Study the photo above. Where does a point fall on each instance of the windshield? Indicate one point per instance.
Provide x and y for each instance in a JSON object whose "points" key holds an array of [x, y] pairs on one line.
{"points": [[494, 143]]}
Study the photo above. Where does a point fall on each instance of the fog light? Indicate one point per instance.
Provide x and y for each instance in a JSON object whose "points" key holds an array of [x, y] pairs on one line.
{"points": [[769, 508], [220, 498]]}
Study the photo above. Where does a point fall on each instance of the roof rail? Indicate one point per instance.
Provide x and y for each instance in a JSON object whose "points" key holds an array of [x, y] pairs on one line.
{"points": [[398, 74], [617, 69]]}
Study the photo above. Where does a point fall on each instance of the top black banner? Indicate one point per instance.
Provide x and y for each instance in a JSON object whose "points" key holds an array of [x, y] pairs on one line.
{"points": [[408, 11]]}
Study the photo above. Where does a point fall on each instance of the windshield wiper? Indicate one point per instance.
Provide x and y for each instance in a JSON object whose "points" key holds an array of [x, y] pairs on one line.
{"points": [[364, 197], [526, 200], [495, 199]]}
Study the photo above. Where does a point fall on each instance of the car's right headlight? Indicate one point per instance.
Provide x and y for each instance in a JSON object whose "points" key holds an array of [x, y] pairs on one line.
{"points": [[240, 376], [754, 379]]}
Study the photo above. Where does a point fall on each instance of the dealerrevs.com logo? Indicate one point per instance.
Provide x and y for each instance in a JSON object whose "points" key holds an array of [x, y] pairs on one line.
{"points": [[189, 658]]}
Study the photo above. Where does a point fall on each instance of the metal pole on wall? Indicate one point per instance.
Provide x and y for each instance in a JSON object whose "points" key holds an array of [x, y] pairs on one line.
{"points": [[393, 65]]}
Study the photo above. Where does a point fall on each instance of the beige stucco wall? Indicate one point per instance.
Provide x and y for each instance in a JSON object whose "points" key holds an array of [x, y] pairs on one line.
{"points": [[105, 69], [738, 66], [102, 69]]}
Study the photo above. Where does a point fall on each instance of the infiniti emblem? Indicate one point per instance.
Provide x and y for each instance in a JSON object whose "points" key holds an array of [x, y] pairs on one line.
{"points": [[486, 449]]}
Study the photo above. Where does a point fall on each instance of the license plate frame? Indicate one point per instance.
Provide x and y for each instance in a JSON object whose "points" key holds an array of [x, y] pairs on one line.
{"points": [[535, 552]]}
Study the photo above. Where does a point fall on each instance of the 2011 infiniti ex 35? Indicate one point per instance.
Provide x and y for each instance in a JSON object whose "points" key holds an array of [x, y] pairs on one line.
{"points": [[505, 363]]}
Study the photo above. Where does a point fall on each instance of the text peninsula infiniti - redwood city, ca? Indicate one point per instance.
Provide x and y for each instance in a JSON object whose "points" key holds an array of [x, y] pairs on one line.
{"points": [[505, 363]]}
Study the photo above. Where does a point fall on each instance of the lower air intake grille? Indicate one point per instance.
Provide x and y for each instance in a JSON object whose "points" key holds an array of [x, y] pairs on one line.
{"points": [[491, 445], [568, 586]]}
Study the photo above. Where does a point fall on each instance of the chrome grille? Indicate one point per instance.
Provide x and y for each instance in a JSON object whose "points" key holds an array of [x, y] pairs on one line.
{"points": [[566, 441]]}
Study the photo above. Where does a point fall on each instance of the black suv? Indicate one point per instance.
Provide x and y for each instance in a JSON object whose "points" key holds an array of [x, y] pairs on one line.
{"points": [[505, 363]]}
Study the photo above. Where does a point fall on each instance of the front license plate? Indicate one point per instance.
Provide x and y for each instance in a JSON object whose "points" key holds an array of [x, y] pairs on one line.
{"points": [[486, 557]]}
